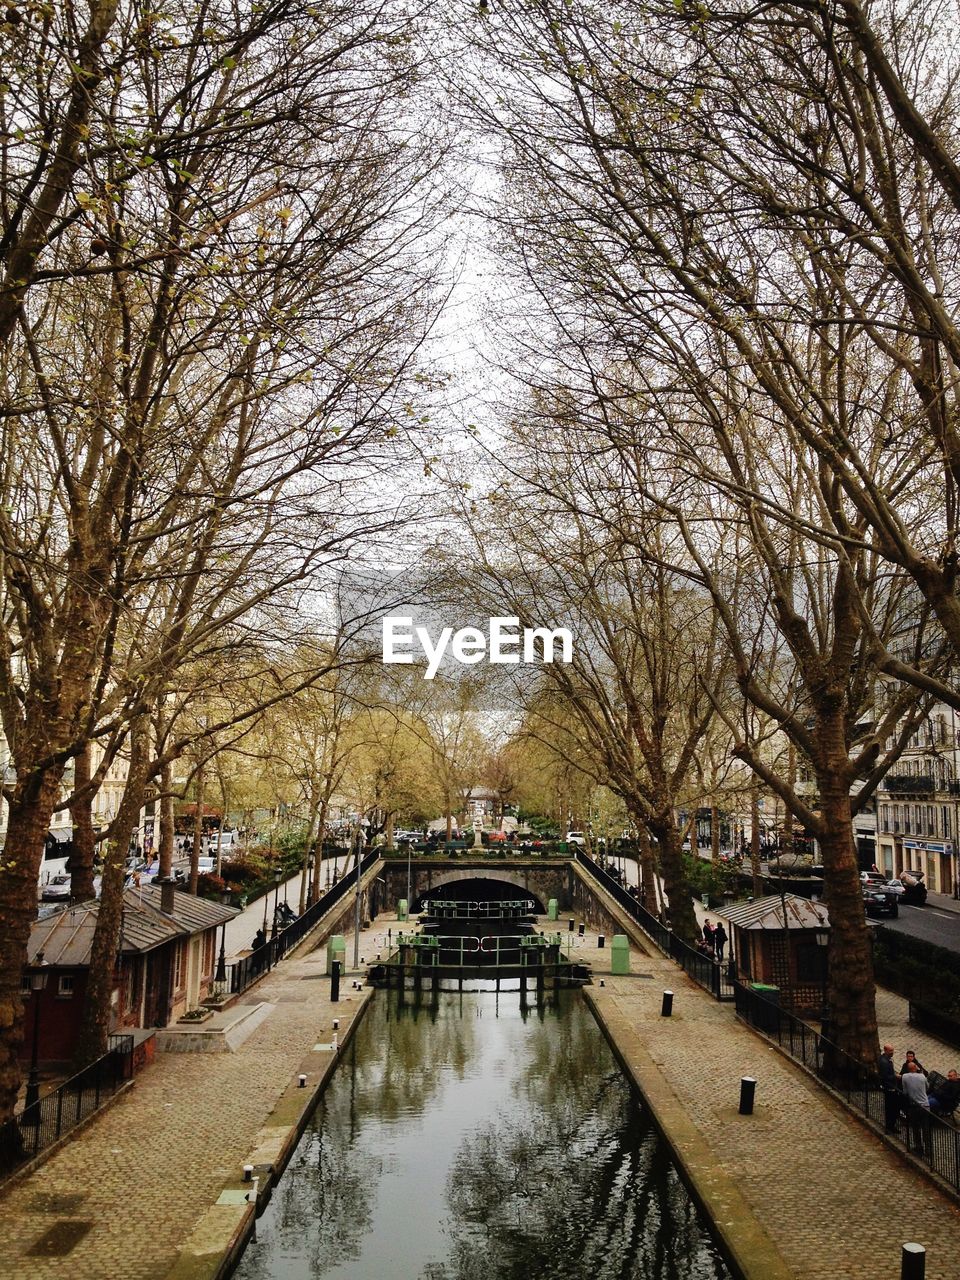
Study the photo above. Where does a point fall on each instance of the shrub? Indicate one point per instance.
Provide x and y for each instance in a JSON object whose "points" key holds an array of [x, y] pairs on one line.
{"points": [[240, 873], [210, 885]]}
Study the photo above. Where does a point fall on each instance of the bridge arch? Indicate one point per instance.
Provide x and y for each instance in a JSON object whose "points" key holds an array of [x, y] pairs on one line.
{"points": [[454, 886]]}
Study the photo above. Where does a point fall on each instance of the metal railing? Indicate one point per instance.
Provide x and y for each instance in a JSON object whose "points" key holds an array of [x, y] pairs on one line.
{"points": [[35, 1128], [708, 973], [241, 974], [931, 1139]]}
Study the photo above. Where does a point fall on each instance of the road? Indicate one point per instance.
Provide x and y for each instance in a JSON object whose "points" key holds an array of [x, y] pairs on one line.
{"points": [[929, 922]]}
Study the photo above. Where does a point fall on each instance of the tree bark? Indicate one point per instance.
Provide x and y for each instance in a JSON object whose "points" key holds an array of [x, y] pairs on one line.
{"points": [[714, 835], [197, 832], [648, 872], [82, 840], [755, 840], [683, 922], [165, 867], [107, 937], [27, 826], [850, 983]]}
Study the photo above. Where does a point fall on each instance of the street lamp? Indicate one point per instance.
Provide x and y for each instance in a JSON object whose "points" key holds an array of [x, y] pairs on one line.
{"points": [[277, 877], [311, 863], [38, 980], [220, 977]]}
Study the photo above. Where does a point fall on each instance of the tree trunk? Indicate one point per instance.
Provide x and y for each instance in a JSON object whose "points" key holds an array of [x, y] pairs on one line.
{"points": [[647, 867], [83, 842], [197, 832], [321, 836], [27, 825], [851, 995], [683, 922], [95, 1027], [165, 867], [391, 818], [714, 835], [755, 840]]}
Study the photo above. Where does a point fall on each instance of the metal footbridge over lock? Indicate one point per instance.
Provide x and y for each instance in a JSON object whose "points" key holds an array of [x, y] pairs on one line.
{"points": [[495, 939]]}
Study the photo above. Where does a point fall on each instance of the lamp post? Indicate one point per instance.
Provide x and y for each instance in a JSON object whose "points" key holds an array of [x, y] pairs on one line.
{"points": [[220, 977], [38, 980], [277, 877], [409, 879], [311, 863]]}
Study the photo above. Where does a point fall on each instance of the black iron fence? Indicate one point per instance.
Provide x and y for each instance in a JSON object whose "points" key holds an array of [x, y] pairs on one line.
{"points": [[708, 973], [35, 1128], [243, 973], [933, 1140]]}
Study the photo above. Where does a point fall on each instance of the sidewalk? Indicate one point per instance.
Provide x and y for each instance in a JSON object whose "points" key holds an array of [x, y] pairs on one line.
{"points": [[122, 1199], [801, 1187], [241, 928]]}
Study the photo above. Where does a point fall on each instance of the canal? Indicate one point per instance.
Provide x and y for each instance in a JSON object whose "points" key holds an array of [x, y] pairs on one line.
{"points": [[467, 1138]]}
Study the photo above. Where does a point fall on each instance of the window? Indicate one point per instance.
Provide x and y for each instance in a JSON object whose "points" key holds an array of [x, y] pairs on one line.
{"points": [[884, 817], [811, 963], [65, 987], [178, 966]]}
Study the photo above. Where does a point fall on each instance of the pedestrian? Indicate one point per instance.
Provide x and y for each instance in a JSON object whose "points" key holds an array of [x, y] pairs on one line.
{"points": [[911, 1057], [914, 1085], [890, 1084], [945, 1097], [708, 938], [259, 940], [719, 939]]}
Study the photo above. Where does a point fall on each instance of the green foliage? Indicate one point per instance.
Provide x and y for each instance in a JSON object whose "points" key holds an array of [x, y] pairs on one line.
{"points": [[211, 886], [705, 878], [240, 873]]}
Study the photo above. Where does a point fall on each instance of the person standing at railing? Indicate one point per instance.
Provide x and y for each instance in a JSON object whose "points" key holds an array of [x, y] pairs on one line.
{"points": [[719, 940], [890, 1084], [914, 1085]]}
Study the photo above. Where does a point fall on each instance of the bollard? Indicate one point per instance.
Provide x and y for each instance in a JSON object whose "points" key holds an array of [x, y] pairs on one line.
{"points": [[570, 924], [247, 1172], [580, 929], [748, 1087], [602, 983], [334, 981], [333, 1045], [252, 1193], [336, 1024], [600, 941], [913, 1262], [302, 1081], [666, 1005]]}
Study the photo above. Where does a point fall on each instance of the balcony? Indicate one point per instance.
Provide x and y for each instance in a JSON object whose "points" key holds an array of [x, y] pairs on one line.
{"points": [[909, 783]]}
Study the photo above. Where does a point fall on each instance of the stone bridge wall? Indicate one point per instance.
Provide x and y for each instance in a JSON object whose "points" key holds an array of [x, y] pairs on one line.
{"points": [[521, 877]]}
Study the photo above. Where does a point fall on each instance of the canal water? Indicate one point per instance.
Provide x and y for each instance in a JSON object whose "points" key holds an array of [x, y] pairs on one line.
{"points": [[467, 1138]]}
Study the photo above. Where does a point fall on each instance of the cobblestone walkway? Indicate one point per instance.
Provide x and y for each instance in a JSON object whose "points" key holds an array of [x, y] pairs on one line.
{"points": [[145, 1170]]}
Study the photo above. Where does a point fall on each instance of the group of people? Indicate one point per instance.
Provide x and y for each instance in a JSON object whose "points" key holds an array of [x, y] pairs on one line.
{"points": [[713, 941], [914, 1087]]}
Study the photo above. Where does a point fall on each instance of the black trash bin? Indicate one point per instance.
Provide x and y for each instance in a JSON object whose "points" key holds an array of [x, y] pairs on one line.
{"points": [[766, 1012]]}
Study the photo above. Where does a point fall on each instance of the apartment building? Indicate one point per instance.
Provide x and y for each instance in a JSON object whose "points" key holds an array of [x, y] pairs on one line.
{"points": [[918, 804]]}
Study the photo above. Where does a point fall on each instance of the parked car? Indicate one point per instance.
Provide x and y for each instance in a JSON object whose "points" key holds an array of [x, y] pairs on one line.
{"points": [[56, 889], [872, 877], [877, 902], [896, 886], [576, 837]]}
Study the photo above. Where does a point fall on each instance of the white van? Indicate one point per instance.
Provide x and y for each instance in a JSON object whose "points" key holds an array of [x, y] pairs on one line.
{"points": [[206, 866]]}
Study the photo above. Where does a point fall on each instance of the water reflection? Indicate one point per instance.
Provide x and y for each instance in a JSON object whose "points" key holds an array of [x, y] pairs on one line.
{"points": [[465, 1138]]}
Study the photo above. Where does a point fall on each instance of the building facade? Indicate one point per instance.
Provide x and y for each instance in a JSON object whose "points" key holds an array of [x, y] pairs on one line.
{"points": [[918, 804]]}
